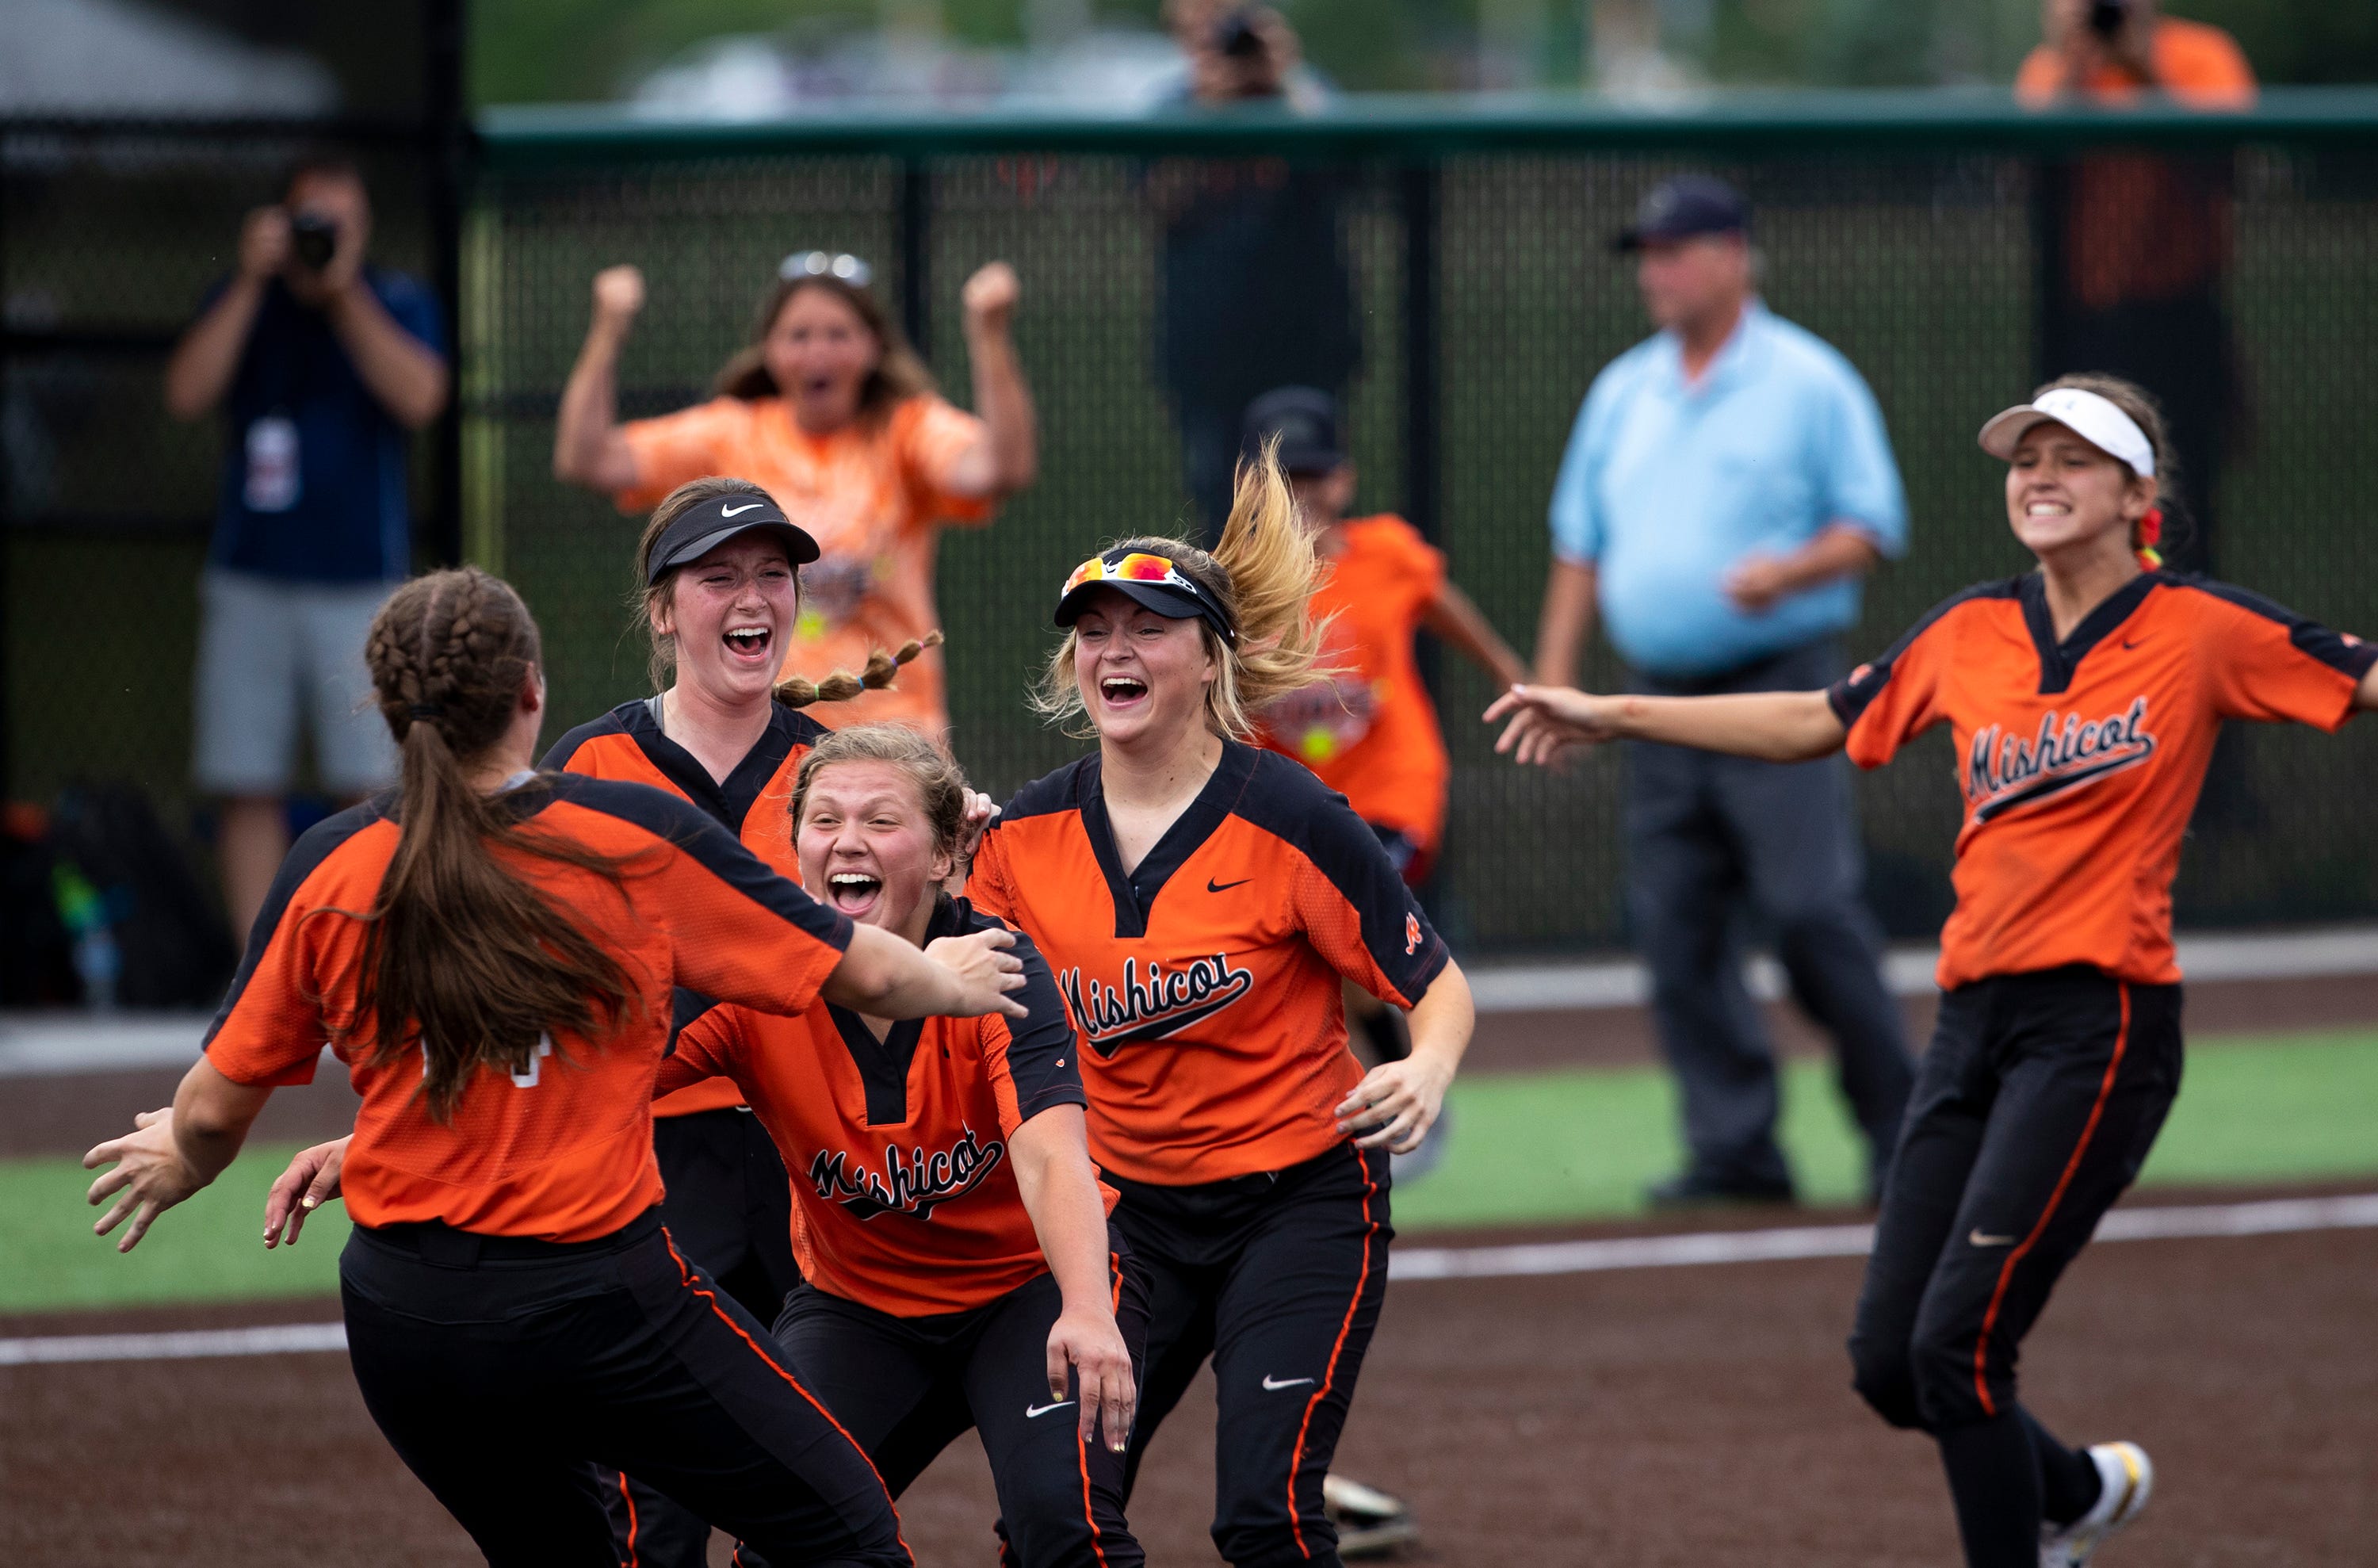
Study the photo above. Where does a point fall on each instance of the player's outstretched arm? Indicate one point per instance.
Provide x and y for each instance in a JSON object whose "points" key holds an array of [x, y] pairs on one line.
{"points": [[884, 977], [173, 1153], [1060, 1188], [1771, 726], [1007, 457], [1396, 1103], [311, 1181], [2366, 694]]}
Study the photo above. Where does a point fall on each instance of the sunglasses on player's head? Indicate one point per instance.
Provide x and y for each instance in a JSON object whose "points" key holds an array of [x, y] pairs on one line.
{"points": [[841, 266], [1136, 567]]}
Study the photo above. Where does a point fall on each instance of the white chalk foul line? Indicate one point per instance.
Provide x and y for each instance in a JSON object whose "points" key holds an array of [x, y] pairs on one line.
{"points": [[276, 1339], [2277, 1217]]}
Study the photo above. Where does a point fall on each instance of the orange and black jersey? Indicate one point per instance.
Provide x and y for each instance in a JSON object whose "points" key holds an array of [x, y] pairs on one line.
{"points": [[754, 803], [564, 1151], [1206, 983], [899, 1147], [2079, 761]]}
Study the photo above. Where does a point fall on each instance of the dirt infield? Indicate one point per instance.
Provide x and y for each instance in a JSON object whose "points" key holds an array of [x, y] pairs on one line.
{"points": [[1685, 1416]]}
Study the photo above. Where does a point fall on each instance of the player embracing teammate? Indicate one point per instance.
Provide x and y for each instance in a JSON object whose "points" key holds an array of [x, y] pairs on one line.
{"points": [[2084, 699]]}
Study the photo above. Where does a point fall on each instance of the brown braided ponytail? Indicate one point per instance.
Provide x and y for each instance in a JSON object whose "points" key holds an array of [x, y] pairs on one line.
{"points": [[457, 948], [842, 685]]}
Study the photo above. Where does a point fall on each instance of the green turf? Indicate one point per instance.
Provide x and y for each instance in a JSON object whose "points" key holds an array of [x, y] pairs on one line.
{"points": [[211, 1248], [1535, 1148], [1545, 1147]]}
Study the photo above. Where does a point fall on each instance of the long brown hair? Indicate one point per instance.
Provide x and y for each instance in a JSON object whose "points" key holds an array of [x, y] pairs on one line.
{"points": [[898, 373], [456, 947], [793, 690], [2147, 415], [1263, 571]]}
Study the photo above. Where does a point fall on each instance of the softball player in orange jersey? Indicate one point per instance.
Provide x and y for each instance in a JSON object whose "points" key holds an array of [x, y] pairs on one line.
{"points": [[2084, 698], [492, 952]]}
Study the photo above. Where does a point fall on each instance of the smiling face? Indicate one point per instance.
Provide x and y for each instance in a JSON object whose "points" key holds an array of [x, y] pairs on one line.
{"points": [[2065, 495], [867, 846], [819, 353], [731, 613], [1141, 674]]}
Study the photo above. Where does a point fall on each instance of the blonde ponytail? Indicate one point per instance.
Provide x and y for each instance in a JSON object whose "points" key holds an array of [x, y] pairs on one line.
{"points": [[841, 686], [1262, 571]]}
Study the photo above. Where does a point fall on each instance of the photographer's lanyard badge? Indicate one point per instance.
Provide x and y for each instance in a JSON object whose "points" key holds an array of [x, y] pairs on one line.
{"points": [[272, 476]]}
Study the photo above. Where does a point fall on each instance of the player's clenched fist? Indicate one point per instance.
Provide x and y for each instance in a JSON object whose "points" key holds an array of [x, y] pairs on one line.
{"points": [[990, 296], [619, 293]]}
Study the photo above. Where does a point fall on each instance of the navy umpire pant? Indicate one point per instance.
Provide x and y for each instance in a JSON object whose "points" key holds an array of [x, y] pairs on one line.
{"points": [[509, 1374], [1279, 1277], [1712, 839]]}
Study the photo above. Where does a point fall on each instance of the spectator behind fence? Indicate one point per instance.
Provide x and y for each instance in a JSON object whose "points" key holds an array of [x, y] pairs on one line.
{"points": [[322, 363], [832, 413], [1727, 484], [2140, 247], [1254, 291]]}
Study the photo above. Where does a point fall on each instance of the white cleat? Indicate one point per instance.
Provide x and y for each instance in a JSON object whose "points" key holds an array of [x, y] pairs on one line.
{"points": [[2127, 1477], [1370, 1522]]}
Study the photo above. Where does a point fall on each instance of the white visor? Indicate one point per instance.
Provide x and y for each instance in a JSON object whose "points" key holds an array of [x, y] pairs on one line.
{"points": [[2095, 419]]}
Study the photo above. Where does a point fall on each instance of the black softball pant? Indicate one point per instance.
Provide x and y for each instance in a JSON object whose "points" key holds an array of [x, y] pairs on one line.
{"points": [[1279, 1277], [2033, 1111], [907, 1388], [509, 1374], [730, 1213]]}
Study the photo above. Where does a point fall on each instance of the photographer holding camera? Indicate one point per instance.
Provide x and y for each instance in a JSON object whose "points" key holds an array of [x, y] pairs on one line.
{"points": [[2111, 51], [322, 363]]}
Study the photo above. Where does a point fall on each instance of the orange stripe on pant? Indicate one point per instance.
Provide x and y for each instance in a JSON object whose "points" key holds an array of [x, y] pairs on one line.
{"points": [[2006, 1270], [1329, 1376], [794, 1383], [628, 1498]]}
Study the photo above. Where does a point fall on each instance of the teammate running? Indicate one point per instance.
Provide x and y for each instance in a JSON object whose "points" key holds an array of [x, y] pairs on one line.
{"points": [[514, 1307], [954, 1233], [833, 412], [1198, 899], [2084, 699]]}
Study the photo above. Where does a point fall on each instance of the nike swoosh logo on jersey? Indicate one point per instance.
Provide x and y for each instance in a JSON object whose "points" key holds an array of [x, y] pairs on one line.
{"points": [[1214, 886], [1032, 1410], [1274, 1384], [1984, 1238], [731, 510]]}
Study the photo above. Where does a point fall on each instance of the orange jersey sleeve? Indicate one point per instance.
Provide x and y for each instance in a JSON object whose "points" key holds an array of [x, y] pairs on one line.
{"points": [[709, 438], [928, 436], [1892, 700], [2273, 665], [2198, 65]]}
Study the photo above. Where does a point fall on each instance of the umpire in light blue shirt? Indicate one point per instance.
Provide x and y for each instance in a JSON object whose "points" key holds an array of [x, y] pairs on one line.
{"points": [[1727, 486]]}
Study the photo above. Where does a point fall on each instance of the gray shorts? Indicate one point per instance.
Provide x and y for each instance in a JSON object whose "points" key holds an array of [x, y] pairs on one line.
{"points": [[269, 650]]}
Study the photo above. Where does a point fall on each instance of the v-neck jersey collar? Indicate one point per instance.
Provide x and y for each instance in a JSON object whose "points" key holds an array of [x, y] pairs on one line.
{"points": [[1134, 894], [2059, 662], [729, 799], [884, 1064]]}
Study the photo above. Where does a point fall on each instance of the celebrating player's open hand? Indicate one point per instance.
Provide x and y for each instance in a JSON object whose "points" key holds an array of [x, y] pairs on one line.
{"points": [[1396, 1105], [1544, 719], [311, 1181], [1086, 1342], [149, 1176]]}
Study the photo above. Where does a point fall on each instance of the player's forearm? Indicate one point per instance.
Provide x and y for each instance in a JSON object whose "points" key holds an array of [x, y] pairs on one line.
{"points": [[585, 428], [885, 977], [1568, 617], [1459, 623], [1060, 1189], [2366, 694], [1008, 457], [1443, 1021], [1771, 726], [208, 357], [211, 1116], [407, 378]]}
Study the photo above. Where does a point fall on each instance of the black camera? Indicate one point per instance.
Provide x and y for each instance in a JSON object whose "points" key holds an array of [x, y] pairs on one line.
{"points": [[314, 238], [2106, 17], [1236, 37]]}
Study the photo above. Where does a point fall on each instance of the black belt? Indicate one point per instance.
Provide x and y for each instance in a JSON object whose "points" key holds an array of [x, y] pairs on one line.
{"points": [[433, 1241]]}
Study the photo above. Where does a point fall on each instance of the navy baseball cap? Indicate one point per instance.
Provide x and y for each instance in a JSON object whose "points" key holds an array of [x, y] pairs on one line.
{"points": [[1683, 207], [1306, 420], [708, 525]]}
